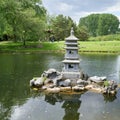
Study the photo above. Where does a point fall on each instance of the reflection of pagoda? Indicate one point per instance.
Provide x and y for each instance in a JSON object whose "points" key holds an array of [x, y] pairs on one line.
{"points": [[71, 107], [71, 62], [70, 103]]}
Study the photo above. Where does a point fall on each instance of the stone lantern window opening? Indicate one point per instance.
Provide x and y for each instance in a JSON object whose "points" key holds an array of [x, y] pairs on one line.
{"points": [[71, 52], [70, 66]]}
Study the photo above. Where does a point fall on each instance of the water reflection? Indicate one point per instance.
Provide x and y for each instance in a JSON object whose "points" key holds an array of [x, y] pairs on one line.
{"points": [[71, 107], [71, 104], [109, 98], [101, 65], [18, 103], [87, 106]]}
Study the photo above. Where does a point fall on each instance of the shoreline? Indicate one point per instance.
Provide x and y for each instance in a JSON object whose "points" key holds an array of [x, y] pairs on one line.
{"points": [[59, 51], [86, 47]]}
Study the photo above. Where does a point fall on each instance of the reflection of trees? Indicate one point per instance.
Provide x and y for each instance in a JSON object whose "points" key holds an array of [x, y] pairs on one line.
{"points": [[71, 104], [53, 98], [109, 98], [15, 72]]}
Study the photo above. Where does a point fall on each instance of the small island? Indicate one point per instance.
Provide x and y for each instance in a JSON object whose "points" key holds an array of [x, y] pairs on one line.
{"points": [[71, 78]]}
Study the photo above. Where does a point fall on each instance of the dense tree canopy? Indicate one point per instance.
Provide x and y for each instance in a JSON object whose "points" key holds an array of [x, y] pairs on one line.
{"points": [[22, 18], [61, 26], [100, 24]]}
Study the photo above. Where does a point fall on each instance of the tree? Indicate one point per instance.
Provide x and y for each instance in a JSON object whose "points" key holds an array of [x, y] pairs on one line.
{"points": [[22, 15], [82, 33], [100, 24], [107, 24], [61, 26]]}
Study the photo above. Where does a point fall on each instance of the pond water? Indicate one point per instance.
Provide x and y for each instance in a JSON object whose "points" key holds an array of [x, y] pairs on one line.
{"points": [[19, 102]]}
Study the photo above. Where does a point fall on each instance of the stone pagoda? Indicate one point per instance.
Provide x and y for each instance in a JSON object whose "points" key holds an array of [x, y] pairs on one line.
{"points": [[71, 63]]}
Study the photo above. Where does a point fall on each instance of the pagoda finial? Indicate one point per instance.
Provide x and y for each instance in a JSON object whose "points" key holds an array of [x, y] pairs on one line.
{"points": [[72, 31]]}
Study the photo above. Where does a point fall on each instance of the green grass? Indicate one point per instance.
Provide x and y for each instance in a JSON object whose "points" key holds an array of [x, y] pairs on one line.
{"points": [[114, 37], [85, 47], [100, 46], [10, 46]]}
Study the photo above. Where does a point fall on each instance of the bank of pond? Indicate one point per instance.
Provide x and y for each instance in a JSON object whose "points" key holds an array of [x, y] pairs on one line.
{"points": [[105, 47]]}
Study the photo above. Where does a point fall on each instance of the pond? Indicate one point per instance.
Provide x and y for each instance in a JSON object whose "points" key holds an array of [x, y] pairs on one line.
{"points": [[19, 102]]}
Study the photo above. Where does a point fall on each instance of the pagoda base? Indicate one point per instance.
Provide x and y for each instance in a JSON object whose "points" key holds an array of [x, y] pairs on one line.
{"points": [[71, 75]]}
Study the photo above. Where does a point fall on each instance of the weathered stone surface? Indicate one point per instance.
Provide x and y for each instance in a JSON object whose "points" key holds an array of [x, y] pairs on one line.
{"points": [[82, 82], [57, 80], [47, 81], [52, 81], [97, 79], [88, 87], [65, 83], [32, 82], [78, 89], [38, 82], [44, 87], [83, 75], [94, 88], [53, 90], [64, 89], [50, 73]]}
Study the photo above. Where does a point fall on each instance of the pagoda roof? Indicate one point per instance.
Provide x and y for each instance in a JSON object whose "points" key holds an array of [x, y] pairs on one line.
{"points": [[71, 61], [67, 43], [72, 48], [71, 37]]}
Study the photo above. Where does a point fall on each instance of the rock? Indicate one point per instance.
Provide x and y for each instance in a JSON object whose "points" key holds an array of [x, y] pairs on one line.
{"points": [[93, 88], [78, 89], [88, 87], [65, 83], [82, 82], [32, 82], [51, 73], [44, 87], [113, 92], [38, 82], [53, 90], [64, 89], [48, 81], [57, 79], [97, 79], [51, 86], [96, 89], [83, 76], [52, 81], [73, 82]]}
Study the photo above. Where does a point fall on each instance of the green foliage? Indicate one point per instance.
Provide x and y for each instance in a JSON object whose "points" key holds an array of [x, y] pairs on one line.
{"points": [[100, 46], [100, 24], [22, 19], [108, 24], [114, 37], [61, 26], [27, 20], [91, 23], [82, 33]]}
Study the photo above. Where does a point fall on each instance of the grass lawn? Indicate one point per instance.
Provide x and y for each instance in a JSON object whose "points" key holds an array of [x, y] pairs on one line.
{"points": [[100, 46], [85, 47]]}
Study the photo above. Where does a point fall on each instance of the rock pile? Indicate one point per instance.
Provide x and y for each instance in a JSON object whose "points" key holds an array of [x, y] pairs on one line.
{"points": [[52, 81]]}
